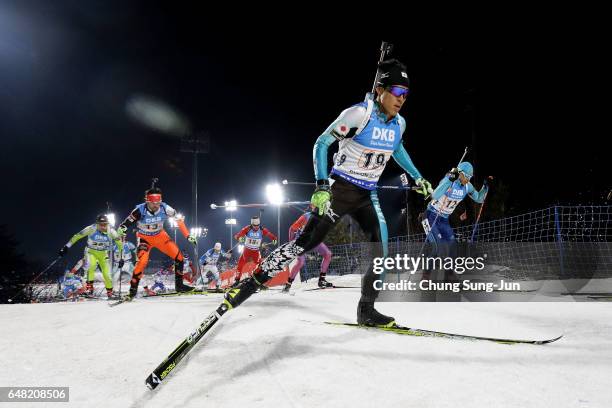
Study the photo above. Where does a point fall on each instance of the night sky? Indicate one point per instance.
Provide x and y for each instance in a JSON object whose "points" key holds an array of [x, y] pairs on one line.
{"points": [[264, 93]]}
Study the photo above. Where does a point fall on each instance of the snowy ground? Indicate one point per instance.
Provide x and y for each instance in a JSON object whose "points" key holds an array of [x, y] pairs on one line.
{"points": [[274, 352]]}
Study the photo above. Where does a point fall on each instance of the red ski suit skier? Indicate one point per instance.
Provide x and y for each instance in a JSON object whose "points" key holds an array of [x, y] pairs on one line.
{"points": [[253, 237]]}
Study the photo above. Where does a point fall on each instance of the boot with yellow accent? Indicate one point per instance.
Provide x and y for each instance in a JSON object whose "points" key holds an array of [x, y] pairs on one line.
{"points": [[235, 296], [368, 316]]}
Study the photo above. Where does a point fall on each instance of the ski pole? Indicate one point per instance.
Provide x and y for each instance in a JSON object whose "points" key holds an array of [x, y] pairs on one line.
{"points": [[121, 258], [302, 183], [257, 205], [479, 213], [232, 248]]}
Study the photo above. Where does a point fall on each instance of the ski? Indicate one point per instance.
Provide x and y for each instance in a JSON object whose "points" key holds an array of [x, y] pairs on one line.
{"points": [[333, 287], [170, 294], [215, 290], [429, 333], [76, 299], [166, 366], [587, 294], [601, 297], [118, 302]]}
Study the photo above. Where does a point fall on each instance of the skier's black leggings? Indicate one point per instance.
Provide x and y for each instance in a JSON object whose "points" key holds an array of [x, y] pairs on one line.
{"points": [[347, 199]]}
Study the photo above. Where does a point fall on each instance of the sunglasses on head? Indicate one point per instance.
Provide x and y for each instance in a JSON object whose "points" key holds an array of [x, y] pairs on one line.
{"points": [[398, 91]]}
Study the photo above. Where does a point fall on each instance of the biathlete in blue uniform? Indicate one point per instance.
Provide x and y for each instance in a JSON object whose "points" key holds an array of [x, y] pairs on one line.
{"points": [[369, 134], [453, 188]]}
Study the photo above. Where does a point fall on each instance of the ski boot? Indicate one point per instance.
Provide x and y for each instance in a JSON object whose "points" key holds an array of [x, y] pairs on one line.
{"points": [[323, 284], [368, 316], [112, 295], [131, 294], [89, 289], [235, 296], [149, 292], [180, 286], [236, 283], [287, 287]]}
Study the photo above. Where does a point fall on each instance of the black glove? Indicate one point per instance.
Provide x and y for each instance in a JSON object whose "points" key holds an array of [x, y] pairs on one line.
{"points": [[63, 251], [120, 264], [453, 175], [487, 180]]}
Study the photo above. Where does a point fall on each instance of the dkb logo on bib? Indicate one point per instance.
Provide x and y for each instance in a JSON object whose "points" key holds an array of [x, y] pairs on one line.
{"points": [[383, 134]]}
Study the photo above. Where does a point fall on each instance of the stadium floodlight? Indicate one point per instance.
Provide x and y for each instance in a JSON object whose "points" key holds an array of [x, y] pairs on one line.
{"points": [[111, 219], [231, 205], [275, 195]]}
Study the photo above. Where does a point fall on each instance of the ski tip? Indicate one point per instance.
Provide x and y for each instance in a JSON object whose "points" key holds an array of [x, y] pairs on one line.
{"points": [[549, 340], [152, 382], [342, 324]]}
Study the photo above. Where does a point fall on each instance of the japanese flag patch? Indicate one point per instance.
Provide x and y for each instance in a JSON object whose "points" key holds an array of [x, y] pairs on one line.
{"points": [[340, 131]]}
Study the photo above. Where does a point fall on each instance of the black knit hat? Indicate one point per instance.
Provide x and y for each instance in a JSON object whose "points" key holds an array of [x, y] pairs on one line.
{"points": [[392, 72]]}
